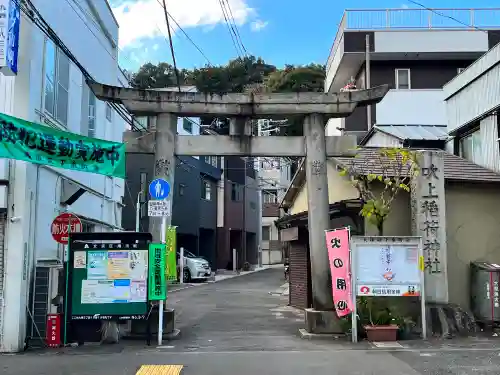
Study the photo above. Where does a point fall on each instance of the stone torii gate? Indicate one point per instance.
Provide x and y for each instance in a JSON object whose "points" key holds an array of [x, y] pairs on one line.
{"points": [[316, 108]]}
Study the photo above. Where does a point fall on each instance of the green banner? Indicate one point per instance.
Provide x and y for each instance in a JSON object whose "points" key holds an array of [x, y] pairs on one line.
{"points": [[40, 144], [171, 258], [157, 287]]}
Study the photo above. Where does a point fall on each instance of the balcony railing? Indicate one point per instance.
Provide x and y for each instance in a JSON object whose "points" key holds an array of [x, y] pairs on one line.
{"points": [[406, 18]]}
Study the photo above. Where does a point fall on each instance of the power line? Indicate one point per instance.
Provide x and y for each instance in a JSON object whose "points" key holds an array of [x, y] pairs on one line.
{"points": [[185, 34], [229, 27], [235, 30], [171, 46]]}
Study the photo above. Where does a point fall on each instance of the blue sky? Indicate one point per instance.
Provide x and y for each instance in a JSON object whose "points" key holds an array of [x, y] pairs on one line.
{"points": [[280, 31]]}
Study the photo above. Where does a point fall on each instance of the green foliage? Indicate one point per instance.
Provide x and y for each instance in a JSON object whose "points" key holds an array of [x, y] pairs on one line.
{"points": [[392, 168], [245, 74]]}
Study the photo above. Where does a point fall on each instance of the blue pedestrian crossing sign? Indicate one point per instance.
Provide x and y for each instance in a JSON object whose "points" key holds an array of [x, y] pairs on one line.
{"points": [[159, 188]]}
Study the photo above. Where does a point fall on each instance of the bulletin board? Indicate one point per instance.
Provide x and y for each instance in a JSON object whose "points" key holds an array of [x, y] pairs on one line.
{"points": [[108, 280]]}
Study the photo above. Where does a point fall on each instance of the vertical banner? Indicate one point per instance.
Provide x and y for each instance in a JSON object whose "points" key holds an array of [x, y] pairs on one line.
{"points": [[337, 242], [171, 256], [157, 288]]}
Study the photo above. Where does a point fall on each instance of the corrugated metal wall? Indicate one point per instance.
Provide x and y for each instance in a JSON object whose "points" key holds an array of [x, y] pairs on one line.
{"points": [[490, 151], [475, 99]]}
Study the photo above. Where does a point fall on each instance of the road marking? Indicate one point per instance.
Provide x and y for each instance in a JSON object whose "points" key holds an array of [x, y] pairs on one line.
{"points": [[388, 344], [160, 370]]}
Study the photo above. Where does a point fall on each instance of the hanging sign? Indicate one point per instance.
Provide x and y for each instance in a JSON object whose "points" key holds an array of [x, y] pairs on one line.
{"points": [[10, 19], [40, 144], [157, 288], [337, 242]]}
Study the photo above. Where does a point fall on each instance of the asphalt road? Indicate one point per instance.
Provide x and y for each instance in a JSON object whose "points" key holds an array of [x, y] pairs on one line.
{"points": [[237, 327]]}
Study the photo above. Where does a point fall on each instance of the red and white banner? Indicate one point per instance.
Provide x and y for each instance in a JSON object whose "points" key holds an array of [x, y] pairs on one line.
{"points": [[337, 243]]}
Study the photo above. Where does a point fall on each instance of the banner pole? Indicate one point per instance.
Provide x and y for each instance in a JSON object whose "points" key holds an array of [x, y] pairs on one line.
{"points": [[354, 314], [162, 303], [66, 260]]}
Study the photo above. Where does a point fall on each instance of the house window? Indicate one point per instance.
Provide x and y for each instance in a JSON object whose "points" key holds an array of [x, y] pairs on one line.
{"points": [[187, 125], [234, 192], [87, 227], [270, 196], [108, 112], [56, 83], [470, 147], [142, 193], [91, 124], [206, 190], [403, 81], [266, 233], [213, 161], [181, 189]]}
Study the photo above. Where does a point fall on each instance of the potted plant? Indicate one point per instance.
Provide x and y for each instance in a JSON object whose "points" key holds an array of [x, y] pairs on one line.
{"points": [[382, 324]]}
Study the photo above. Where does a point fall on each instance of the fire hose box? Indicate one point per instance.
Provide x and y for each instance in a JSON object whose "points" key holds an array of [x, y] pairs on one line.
{"points": [[53, 334]]}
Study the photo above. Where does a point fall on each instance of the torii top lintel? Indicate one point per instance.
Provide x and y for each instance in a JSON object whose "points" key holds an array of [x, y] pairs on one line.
{"points": [[189, 104]]}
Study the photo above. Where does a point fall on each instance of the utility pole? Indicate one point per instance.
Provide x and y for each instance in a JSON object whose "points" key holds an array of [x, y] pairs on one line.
{"points": [[368, 79], [166, 129], [244, 231], [317, 108]]}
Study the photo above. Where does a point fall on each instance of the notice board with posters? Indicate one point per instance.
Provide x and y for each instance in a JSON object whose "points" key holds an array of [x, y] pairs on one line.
{"points": [[108, 280]]}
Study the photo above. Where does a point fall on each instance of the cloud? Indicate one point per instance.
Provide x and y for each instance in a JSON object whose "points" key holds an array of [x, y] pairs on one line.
{"points": [[258, 25], [404, 6], [141, 19]]}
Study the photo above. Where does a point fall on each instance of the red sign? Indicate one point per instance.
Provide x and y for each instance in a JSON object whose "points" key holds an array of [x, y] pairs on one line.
{"points": [[53, 338], [62, 224]]}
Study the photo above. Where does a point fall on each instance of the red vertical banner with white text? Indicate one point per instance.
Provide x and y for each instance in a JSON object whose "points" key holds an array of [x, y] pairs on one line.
{"points": [[337, 243]]}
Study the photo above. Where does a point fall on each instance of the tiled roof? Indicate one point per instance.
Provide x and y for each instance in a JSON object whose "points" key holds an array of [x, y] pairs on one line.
{"points": [[455, 167]]}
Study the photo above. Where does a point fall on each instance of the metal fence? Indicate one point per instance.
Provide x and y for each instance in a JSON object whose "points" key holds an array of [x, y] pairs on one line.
{"points": [[407, 18]]}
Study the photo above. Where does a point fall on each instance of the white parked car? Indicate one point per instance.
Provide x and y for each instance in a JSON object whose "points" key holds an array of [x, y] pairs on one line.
{"points": [[195, 268]]}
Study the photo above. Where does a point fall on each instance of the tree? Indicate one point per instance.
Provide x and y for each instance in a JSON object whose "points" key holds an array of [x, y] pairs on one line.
{"points": [[392, 168]]}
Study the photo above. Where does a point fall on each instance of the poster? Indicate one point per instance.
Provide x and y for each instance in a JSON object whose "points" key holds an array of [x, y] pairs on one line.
{"points": [[387, 264], [138, 291], [138, 265], [118, 276], [118, 265], [97, 265], [80, 259]]}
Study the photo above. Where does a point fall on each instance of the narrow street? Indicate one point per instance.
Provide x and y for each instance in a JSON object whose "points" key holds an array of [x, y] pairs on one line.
{"points": [[237, 327]]}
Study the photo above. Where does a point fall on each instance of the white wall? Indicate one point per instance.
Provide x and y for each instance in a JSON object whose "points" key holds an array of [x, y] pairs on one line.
{"points": [[78, 31], [34, 192], [412, 107], [431, 41]]}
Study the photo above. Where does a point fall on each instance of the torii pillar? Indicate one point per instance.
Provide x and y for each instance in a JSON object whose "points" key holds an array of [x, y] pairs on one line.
{"points": [[317, 108]]}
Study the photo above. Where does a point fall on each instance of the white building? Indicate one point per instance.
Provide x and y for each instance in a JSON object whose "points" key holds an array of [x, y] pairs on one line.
{"points": [[472, 106], [275, 175], [414, 51], [50, 89]]}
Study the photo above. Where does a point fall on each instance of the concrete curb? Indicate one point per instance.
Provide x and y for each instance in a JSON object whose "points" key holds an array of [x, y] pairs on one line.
{"points": [[226, 277]]}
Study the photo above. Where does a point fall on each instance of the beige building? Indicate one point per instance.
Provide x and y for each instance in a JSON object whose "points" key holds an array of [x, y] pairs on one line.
{"points": [[467, 229]]}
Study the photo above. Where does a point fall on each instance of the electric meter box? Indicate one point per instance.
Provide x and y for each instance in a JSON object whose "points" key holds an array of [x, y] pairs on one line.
{"points": [[485, 291]]}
